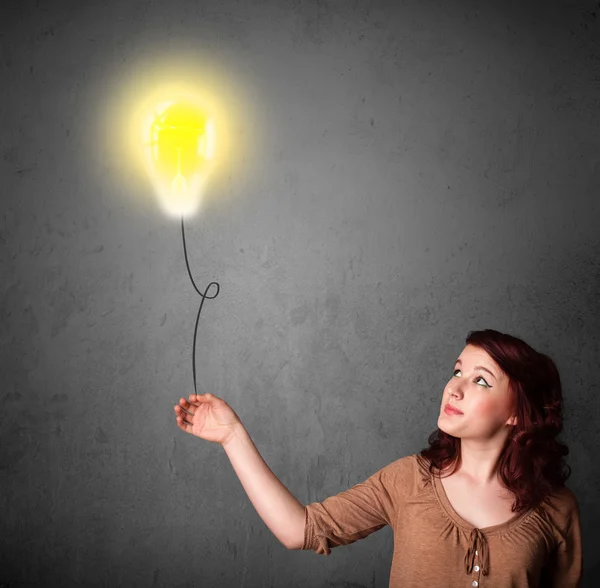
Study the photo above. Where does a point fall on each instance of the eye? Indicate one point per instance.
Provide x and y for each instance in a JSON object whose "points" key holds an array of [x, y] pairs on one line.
{"points": [[478, 378]]}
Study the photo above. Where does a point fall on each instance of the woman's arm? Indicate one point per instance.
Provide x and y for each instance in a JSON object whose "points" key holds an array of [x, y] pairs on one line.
{"points": [[565, 566], [275, 504]]}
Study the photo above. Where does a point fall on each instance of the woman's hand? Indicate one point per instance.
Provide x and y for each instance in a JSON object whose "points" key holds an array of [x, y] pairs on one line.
{"points": [[208, 417]]}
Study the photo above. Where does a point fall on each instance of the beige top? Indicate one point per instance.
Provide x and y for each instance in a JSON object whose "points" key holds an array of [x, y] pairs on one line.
{"points": [[435, 547]]}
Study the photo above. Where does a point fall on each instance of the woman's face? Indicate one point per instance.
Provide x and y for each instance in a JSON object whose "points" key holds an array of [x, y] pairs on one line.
{"points": [[483, 398]]}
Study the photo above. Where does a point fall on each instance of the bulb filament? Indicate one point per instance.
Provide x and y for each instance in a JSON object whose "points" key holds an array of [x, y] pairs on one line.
{"points": [[179, 186]]}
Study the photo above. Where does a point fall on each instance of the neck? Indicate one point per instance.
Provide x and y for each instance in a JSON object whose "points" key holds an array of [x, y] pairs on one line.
{"points": [[479, 461]]}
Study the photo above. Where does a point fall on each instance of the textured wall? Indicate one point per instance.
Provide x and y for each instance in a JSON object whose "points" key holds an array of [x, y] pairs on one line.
{"points": [[406, 173]]}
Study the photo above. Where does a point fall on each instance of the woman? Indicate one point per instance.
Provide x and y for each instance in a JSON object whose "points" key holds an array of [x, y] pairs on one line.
{"points": [[484, 505]]}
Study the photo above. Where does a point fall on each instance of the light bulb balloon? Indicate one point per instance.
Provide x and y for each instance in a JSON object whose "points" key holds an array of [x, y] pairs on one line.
{"points": [[178, 141]]}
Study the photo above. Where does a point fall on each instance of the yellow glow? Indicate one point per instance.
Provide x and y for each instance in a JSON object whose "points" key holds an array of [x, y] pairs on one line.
{"points": [[178, 140], [217, 91]]}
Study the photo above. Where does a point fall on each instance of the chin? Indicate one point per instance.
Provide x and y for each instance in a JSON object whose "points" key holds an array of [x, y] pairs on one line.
{"points": [[443, 426]]}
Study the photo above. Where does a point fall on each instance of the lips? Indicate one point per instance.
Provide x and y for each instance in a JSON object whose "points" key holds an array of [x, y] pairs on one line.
{"points": [[449, 409]]}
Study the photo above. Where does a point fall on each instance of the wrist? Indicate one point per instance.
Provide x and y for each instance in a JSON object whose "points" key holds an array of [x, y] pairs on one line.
{"points": [[238, 433]]}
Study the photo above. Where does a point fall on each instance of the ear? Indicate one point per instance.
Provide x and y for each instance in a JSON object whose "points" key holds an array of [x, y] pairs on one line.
{"points": [[512, 421]]}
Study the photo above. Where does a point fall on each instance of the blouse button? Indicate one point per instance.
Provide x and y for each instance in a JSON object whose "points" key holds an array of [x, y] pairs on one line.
{"points": [[476, 568], [474, 583]]}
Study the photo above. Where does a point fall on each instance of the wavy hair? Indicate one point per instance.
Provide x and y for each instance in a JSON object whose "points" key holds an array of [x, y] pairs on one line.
{"points": [[531, 464]]}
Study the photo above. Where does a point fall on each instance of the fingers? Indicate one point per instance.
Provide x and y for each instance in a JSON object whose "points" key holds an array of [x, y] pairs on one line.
{"points": [[183, 418], [187, 405], [198, 398], [186, 427], [186, 409]]}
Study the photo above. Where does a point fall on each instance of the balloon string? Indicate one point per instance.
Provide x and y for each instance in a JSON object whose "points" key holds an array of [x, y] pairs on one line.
{"points": [[204, 296]]}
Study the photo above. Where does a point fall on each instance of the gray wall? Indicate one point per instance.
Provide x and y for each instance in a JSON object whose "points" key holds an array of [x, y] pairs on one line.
{"points": [[403, 174]]}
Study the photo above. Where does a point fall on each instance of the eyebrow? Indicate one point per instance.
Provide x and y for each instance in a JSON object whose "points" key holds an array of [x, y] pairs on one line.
{"points": [[479, 367]]}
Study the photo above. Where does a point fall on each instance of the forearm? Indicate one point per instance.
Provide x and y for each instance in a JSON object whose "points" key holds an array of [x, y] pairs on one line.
{"points": [[275, 504]]}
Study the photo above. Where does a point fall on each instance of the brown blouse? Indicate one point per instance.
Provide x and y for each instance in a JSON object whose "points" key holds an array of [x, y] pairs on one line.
{"points": [[434, 546]]}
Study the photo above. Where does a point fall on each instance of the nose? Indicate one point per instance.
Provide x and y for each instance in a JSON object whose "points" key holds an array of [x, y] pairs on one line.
{"points": [[456, 392]]}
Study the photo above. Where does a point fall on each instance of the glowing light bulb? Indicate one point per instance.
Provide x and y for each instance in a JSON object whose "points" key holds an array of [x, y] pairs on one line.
{"points": [[178, 140]]}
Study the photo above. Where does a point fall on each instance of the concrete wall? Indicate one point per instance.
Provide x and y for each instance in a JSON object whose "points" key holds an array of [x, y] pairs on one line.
{"points": [[400, 174]]}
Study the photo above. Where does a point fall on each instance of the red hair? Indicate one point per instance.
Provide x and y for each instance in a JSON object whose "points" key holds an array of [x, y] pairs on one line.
{"points": [[531, 464]]}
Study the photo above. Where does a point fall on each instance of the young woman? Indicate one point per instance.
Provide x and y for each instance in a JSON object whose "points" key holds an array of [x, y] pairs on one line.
{"points": [[484, 505]]}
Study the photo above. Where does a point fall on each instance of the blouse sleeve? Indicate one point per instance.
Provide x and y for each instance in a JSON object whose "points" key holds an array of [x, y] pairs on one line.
{"points": [[351, 515], [565, 565]]}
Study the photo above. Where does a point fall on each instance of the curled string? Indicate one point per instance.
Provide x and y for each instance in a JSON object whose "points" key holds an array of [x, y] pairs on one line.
{"points": [[204, 296]]}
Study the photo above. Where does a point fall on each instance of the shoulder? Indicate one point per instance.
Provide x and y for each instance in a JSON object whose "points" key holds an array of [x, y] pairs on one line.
{"points": [[561, 502], [409, 473], [561, 507]]}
